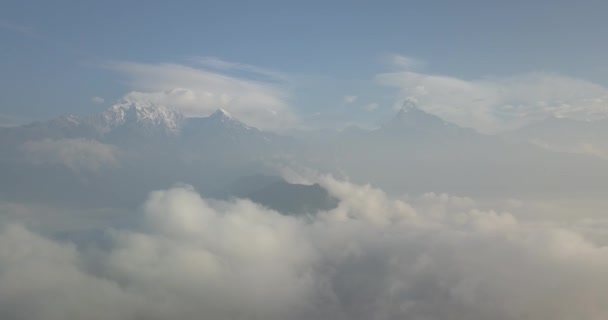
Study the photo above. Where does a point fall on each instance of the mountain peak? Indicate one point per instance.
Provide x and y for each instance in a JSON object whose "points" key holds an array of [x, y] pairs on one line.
{"points": [[143, 113], [221, 114], [410, 109], [412, 117], [410, 114], [223, 117]]}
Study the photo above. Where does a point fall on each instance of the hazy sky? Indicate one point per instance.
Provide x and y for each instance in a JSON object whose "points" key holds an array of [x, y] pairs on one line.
{"points": [[311, 57], [113, 217]]}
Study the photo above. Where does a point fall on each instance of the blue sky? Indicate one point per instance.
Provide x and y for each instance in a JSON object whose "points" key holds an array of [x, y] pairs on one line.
{"points": [[307, 58]]}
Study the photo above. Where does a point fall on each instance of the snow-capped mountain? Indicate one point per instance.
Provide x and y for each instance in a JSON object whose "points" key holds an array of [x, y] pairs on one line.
{"points": [[139, 147], [146, 147], [121, 122], [145, 115], [145, 124]]}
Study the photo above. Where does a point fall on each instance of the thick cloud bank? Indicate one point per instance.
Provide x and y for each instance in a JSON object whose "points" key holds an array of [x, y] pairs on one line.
{"points": [[373, 257]]}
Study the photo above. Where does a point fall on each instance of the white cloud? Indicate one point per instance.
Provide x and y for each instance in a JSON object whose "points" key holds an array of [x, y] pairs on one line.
{"points": [[373, 257], [497, 104], [402, 62], [371, 107], [349, 99], [41, 279], [199, 92], [220, 64], [76, 154], [97, 100]]}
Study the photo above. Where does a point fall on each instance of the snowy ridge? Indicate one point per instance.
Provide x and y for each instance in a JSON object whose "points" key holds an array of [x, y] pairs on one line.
{"points": [[148, 119], [146, 125], [146, 114]]}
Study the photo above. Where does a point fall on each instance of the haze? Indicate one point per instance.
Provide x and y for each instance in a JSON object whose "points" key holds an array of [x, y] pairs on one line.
{"points": [[274, 160]]}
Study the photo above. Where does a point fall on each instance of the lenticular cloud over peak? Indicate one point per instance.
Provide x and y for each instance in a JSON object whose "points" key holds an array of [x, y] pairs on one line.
{"points": [[372, 257]]}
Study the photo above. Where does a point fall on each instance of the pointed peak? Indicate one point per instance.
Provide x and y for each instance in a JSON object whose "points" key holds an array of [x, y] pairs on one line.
{"points": [[223, 117], [409, 106], [410, 117], [221, 113]]}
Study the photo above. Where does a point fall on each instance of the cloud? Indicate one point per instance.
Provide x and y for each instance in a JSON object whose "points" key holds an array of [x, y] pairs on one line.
{"points": [[79, 155], [97, 100], [500, 103], [402, 62], [349, 99], [223, 65], [371, 107], [199, 92], [373, 257], [42, 279]]}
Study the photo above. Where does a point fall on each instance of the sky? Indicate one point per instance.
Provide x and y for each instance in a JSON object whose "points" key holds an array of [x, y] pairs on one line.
{"points": [[139, 215], [313, 63]]}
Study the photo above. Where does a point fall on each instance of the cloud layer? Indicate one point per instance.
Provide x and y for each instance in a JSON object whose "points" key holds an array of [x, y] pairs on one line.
{"points": [[373, 257], [199, 91], [496, 104]]}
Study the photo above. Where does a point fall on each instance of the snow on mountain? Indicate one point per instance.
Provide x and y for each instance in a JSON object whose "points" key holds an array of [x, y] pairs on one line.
{"points": [[165, 119], [222, 115], [223, 118], [134, 123], [145, 115]]}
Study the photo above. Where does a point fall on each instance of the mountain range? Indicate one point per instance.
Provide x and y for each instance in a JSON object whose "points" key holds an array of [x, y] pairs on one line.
{"points": [[132, 148], [137, 122]]}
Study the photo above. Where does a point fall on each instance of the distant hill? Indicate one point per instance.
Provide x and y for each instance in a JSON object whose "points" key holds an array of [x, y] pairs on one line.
{"points": [[277, 194]]}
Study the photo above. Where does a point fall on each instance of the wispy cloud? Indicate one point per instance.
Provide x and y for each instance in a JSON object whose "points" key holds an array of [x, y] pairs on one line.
{"points": [[223, 65], [371, 107], [98, 100], [401, 61], [349, 99]]}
